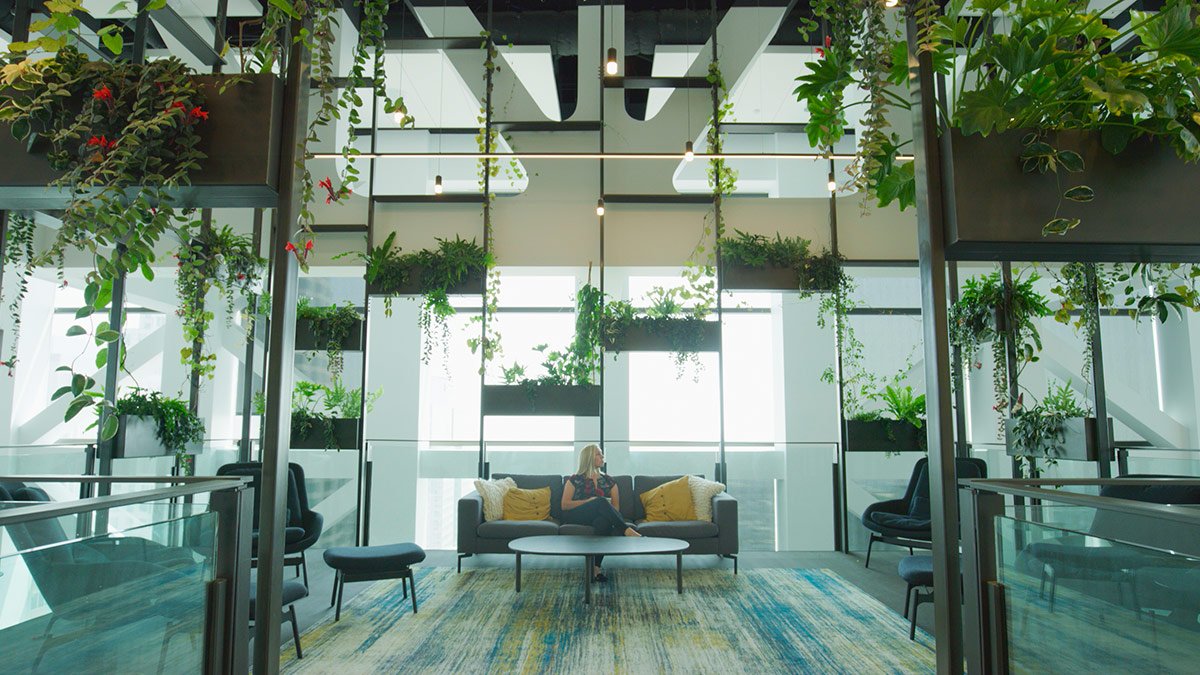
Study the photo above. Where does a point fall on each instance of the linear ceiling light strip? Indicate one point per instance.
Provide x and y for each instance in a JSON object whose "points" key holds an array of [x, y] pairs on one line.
{"points": [[592, 155]]}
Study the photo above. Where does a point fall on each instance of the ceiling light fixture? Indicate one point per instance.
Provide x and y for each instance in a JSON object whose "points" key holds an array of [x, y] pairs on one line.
{"points": [[610, 66], [437, 185], [615, 156], [688, 152], [890, 3], [600, 207], [401, 115]]}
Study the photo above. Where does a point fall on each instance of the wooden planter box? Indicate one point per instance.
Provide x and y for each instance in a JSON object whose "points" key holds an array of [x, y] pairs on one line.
{"points": [[516, 399], [1078, 445], [995, 211], [884, 436], [472, 285], [640, 338], [137, 436], [743, 278], [241, 138], [345, 436], [306, 339]]}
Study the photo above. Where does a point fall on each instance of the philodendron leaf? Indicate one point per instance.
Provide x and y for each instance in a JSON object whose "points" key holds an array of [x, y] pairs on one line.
{"points": [[110, 427], [1070, 160], [78, 384], [108, 336], [60, 392], [1059, 226], [77, 404], [76, 330], [1080, 193]]}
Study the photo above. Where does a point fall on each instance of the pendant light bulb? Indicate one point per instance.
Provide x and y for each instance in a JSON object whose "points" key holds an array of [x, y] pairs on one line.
{"points": [[437, 185], [599, 207], [890, 3], [400, 116], [832, 183], [689, 153], [610, 65]]}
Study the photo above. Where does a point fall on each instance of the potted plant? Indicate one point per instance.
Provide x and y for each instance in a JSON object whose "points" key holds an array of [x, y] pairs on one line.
{"points": [[455, 267], [899, 427], [665, 326], [1057, 427], [153, 425], [332, 329], [755, 262], [324, 417], [569, 385]]}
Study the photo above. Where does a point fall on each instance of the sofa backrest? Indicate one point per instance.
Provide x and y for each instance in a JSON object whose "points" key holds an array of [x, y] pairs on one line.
{"points": [[628, 497], [535, 482]]}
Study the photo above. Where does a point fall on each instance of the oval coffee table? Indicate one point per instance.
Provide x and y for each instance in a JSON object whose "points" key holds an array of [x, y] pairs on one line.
{"points": [[590, 546]]}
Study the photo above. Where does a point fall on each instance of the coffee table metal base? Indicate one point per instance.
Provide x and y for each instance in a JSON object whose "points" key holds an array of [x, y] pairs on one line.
{"points": [[646, 546]]}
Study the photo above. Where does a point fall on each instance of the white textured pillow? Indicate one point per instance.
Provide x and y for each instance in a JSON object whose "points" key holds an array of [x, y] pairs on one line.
{"points": [[702, 493], [493, 492]]}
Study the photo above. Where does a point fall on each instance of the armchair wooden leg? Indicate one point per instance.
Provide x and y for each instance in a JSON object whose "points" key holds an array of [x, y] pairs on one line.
{"points": [[341, 587], [907, 598], [333, 597], [412, 583], [295, 631], [870, 545], [304, 568]]}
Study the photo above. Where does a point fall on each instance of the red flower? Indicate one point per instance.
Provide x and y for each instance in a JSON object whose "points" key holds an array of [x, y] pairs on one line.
{"points": [[102, 94], [177, 105], [828, 41], [820, 52], [290, 247], [327, 183], [198, 113], [241, 276], [308, 245], [97, 141]]}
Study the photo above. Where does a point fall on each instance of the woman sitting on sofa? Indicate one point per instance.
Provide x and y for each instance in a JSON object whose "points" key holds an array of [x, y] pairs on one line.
{"points": [[590, 497]]}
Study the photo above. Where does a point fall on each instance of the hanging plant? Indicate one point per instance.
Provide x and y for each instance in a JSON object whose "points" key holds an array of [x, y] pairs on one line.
{"points": [[177, 427], [331, 327], [579, 364], [322, 411], [208, 259], [19, 255], [1039, 431], [123, 135], [982, 315], [434, 274]]}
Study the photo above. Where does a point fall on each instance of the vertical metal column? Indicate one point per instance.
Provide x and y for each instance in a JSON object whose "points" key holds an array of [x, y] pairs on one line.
{"points": [[235, 516], [277, 420], [198, 344], [943, 492], [1104, 441], [20, 32], [600, 84], [489, 46], [248, 362], [841, 508], [722, 469], [962, 448], [362, 523], [979, 512], [141, 27], [1010, 358]]}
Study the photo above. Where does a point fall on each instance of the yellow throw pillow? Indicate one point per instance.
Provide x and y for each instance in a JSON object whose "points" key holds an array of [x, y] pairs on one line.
{"points": [[527, 504], [669, 501]]}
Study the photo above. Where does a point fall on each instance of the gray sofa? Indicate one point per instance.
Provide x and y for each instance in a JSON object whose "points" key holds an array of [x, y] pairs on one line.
{"points": [[719, 537]]}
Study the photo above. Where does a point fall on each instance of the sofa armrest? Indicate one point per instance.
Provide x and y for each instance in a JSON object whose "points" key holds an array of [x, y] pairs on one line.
{"points": [[725, 515], [470, 517]]}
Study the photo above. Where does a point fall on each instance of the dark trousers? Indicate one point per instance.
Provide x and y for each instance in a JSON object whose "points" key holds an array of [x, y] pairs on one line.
{"points": [[600, 514]]}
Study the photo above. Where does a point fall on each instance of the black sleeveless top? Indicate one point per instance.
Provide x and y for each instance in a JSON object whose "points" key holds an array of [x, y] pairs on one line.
{"points": [[586, 488]]}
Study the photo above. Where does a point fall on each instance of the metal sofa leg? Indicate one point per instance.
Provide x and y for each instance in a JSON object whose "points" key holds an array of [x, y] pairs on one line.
{"points": [[295, 631], [460, 559]]}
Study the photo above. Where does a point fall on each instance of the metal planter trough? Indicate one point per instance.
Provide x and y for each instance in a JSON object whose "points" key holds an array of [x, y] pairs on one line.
{"points": [[137, 436], [884, 436], [745, 278], [345, 436], [1079, 441], [306, 338], [550, 399], [241, 139], [995, 210], [652, 335], [472, 285]]}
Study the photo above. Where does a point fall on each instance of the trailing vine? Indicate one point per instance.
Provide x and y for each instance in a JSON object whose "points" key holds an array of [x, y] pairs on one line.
{"points": [[19, 254], [580, 363], [211, 258], [331, 326], [487, 344]]}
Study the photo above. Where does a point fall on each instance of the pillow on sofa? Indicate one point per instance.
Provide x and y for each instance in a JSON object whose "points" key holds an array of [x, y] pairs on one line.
{"points": [[492, 492], [527, 504], [703, 492], [669, 502]]}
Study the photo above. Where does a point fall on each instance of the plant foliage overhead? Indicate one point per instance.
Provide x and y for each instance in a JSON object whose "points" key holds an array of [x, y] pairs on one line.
{"points": [[1039, 431]]}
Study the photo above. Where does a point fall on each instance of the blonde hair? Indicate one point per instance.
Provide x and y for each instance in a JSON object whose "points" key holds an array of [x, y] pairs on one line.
{"points": [[587, 459]]}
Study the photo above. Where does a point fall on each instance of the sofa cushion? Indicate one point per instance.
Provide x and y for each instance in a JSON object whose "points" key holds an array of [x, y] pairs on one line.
{"points": [[670, 501], [679, 529], [643, 483], [571, 528], [527, 504], [628, 498], [895, 521], [703, 492], [492, 492], [515, 529], [533, 482]]}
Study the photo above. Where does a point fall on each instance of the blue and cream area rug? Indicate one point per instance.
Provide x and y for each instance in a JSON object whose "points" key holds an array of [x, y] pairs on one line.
{"points": [[761, 621]]}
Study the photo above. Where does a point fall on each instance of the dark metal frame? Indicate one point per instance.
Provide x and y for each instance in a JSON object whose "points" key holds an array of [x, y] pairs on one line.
{"points": [[405, 575]]}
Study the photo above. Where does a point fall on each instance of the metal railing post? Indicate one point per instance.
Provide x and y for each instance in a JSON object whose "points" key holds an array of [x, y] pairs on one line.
{"points": [[227, 644], [978, 511]]}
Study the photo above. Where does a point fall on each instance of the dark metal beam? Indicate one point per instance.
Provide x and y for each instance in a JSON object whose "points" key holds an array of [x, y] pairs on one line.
{"points": [[943, 490], [169, 20], [689, 82], [398, 44], [251, 341], [446, 198], [1104, 439], [659, 199], [282, 341]]}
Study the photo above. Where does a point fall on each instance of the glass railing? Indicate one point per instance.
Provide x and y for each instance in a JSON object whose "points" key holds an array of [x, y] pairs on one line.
{"points": [[153, 577], [1083, 575]]}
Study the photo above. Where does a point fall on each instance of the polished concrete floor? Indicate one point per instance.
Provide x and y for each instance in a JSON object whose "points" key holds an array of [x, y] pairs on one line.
{"points": [[879, 581]]}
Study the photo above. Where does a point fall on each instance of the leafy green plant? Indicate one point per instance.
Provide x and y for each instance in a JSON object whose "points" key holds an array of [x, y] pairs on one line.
{"points": [[579, 364], [983, 315], [822, 273], [437, 272], [756, 250], [681, 327], [19, 254], [316, 406], [211, 258], [177, 427], [904, 405], [331, 326], [1038, 431]]}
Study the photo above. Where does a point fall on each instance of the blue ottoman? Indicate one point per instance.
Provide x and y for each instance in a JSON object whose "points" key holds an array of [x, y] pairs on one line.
{"points": [[917, 571], [373, 563]]}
